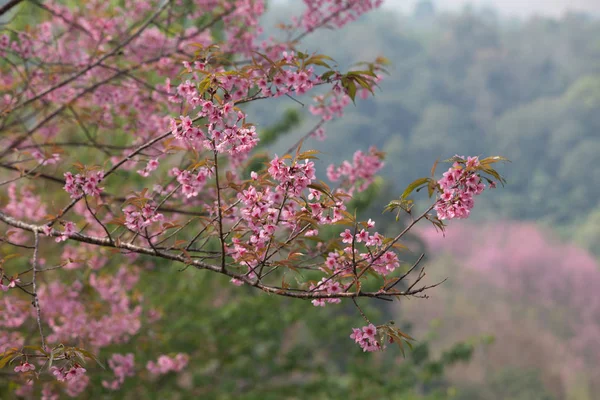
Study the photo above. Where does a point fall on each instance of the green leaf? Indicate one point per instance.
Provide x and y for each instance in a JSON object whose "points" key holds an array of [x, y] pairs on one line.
{"points": [[492, 172], [359, 73], [37, 348], [493, 159], [413, 186], [309, 154], [90, 355], [7, 356], [351, 88], [327, 75]]}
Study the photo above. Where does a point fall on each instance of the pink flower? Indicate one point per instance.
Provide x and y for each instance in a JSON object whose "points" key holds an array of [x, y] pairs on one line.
{"points": [[347, 236], [69, 229], [58, 373], [357, 335], [365, 338], [12, 283], [459, 186], [472, 162], [25, 367], [236, 282], [369, 331], [75, 373], [83, 183], [363, 236], [165, 364], [122, 366]]}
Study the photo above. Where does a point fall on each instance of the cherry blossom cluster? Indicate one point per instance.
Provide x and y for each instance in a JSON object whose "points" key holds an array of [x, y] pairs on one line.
{"points": [[12, 282], [68, 229], [343, 11], [140, 218], [259, 212], [68, 374], [359, 174], [343, 263], [324, 212], [83, 183], [123, 366], [166, 364], [223, 133], [329, 286], [293, 178], [75, 378], [14, 313], [331, 106], [45, 158], [24, 203], [150, 166], [68, 314], [191, 182], [226, 130], [460, 184], [288, 80], [25, 367], [365, 338]]}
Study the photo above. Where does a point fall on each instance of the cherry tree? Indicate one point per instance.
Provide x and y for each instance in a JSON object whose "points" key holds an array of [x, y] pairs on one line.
{"points": [[124, 139]]}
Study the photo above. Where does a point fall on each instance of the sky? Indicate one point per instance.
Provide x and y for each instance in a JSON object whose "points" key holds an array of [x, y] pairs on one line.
{"points": [[522, 8], [511, 8]]}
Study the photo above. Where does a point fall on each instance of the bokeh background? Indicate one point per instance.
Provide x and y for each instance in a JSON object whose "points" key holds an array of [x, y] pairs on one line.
{"points": [[518, 79]]}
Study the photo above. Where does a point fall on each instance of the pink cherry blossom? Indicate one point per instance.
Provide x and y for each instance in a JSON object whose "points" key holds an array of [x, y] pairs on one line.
{"points": [[25, 367]]}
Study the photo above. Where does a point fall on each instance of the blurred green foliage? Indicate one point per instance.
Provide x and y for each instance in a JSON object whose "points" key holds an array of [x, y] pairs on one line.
{"points": [[477, 83]]}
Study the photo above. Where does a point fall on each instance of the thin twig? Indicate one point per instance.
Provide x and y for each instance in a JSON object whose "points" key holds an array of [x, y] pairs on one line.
{"points": [[36, 301], [361, 311]]}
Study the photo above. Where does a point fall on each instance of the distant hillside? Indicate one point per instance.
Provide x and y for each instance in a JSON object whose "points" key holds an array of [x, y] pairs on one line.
{"points": [[473, 83], [537, 296]]}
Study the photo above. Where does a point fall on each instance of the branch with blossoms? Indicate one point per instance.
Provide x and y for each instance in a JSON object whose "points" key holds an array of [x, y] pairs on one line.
{"points": [[140, 119]]}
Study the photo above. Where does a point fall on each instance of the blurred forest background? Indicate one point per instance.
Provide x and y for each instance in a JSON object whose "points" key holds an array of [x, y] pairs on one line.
{"points": [[519, 317], [521, 306]]}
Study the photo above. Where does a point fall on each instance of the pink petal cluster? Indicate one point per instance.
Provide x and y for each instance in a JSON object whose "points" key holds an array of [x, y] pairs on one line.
{"points": [[81, 184], [331, 106], [152, 165], [359, 174], [68, 229], [68, 374], [293, 179], [191, 182], [166, 364], [24, 204], [70, 314], [25, 367], [336, 12], [329, 286], [123, 366], [366, 338], [460, 184], [48, 394], [12, 282], [75, 378], [225, 132], [340, 264], [43, 158], [138, 219], [14, 312]]}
